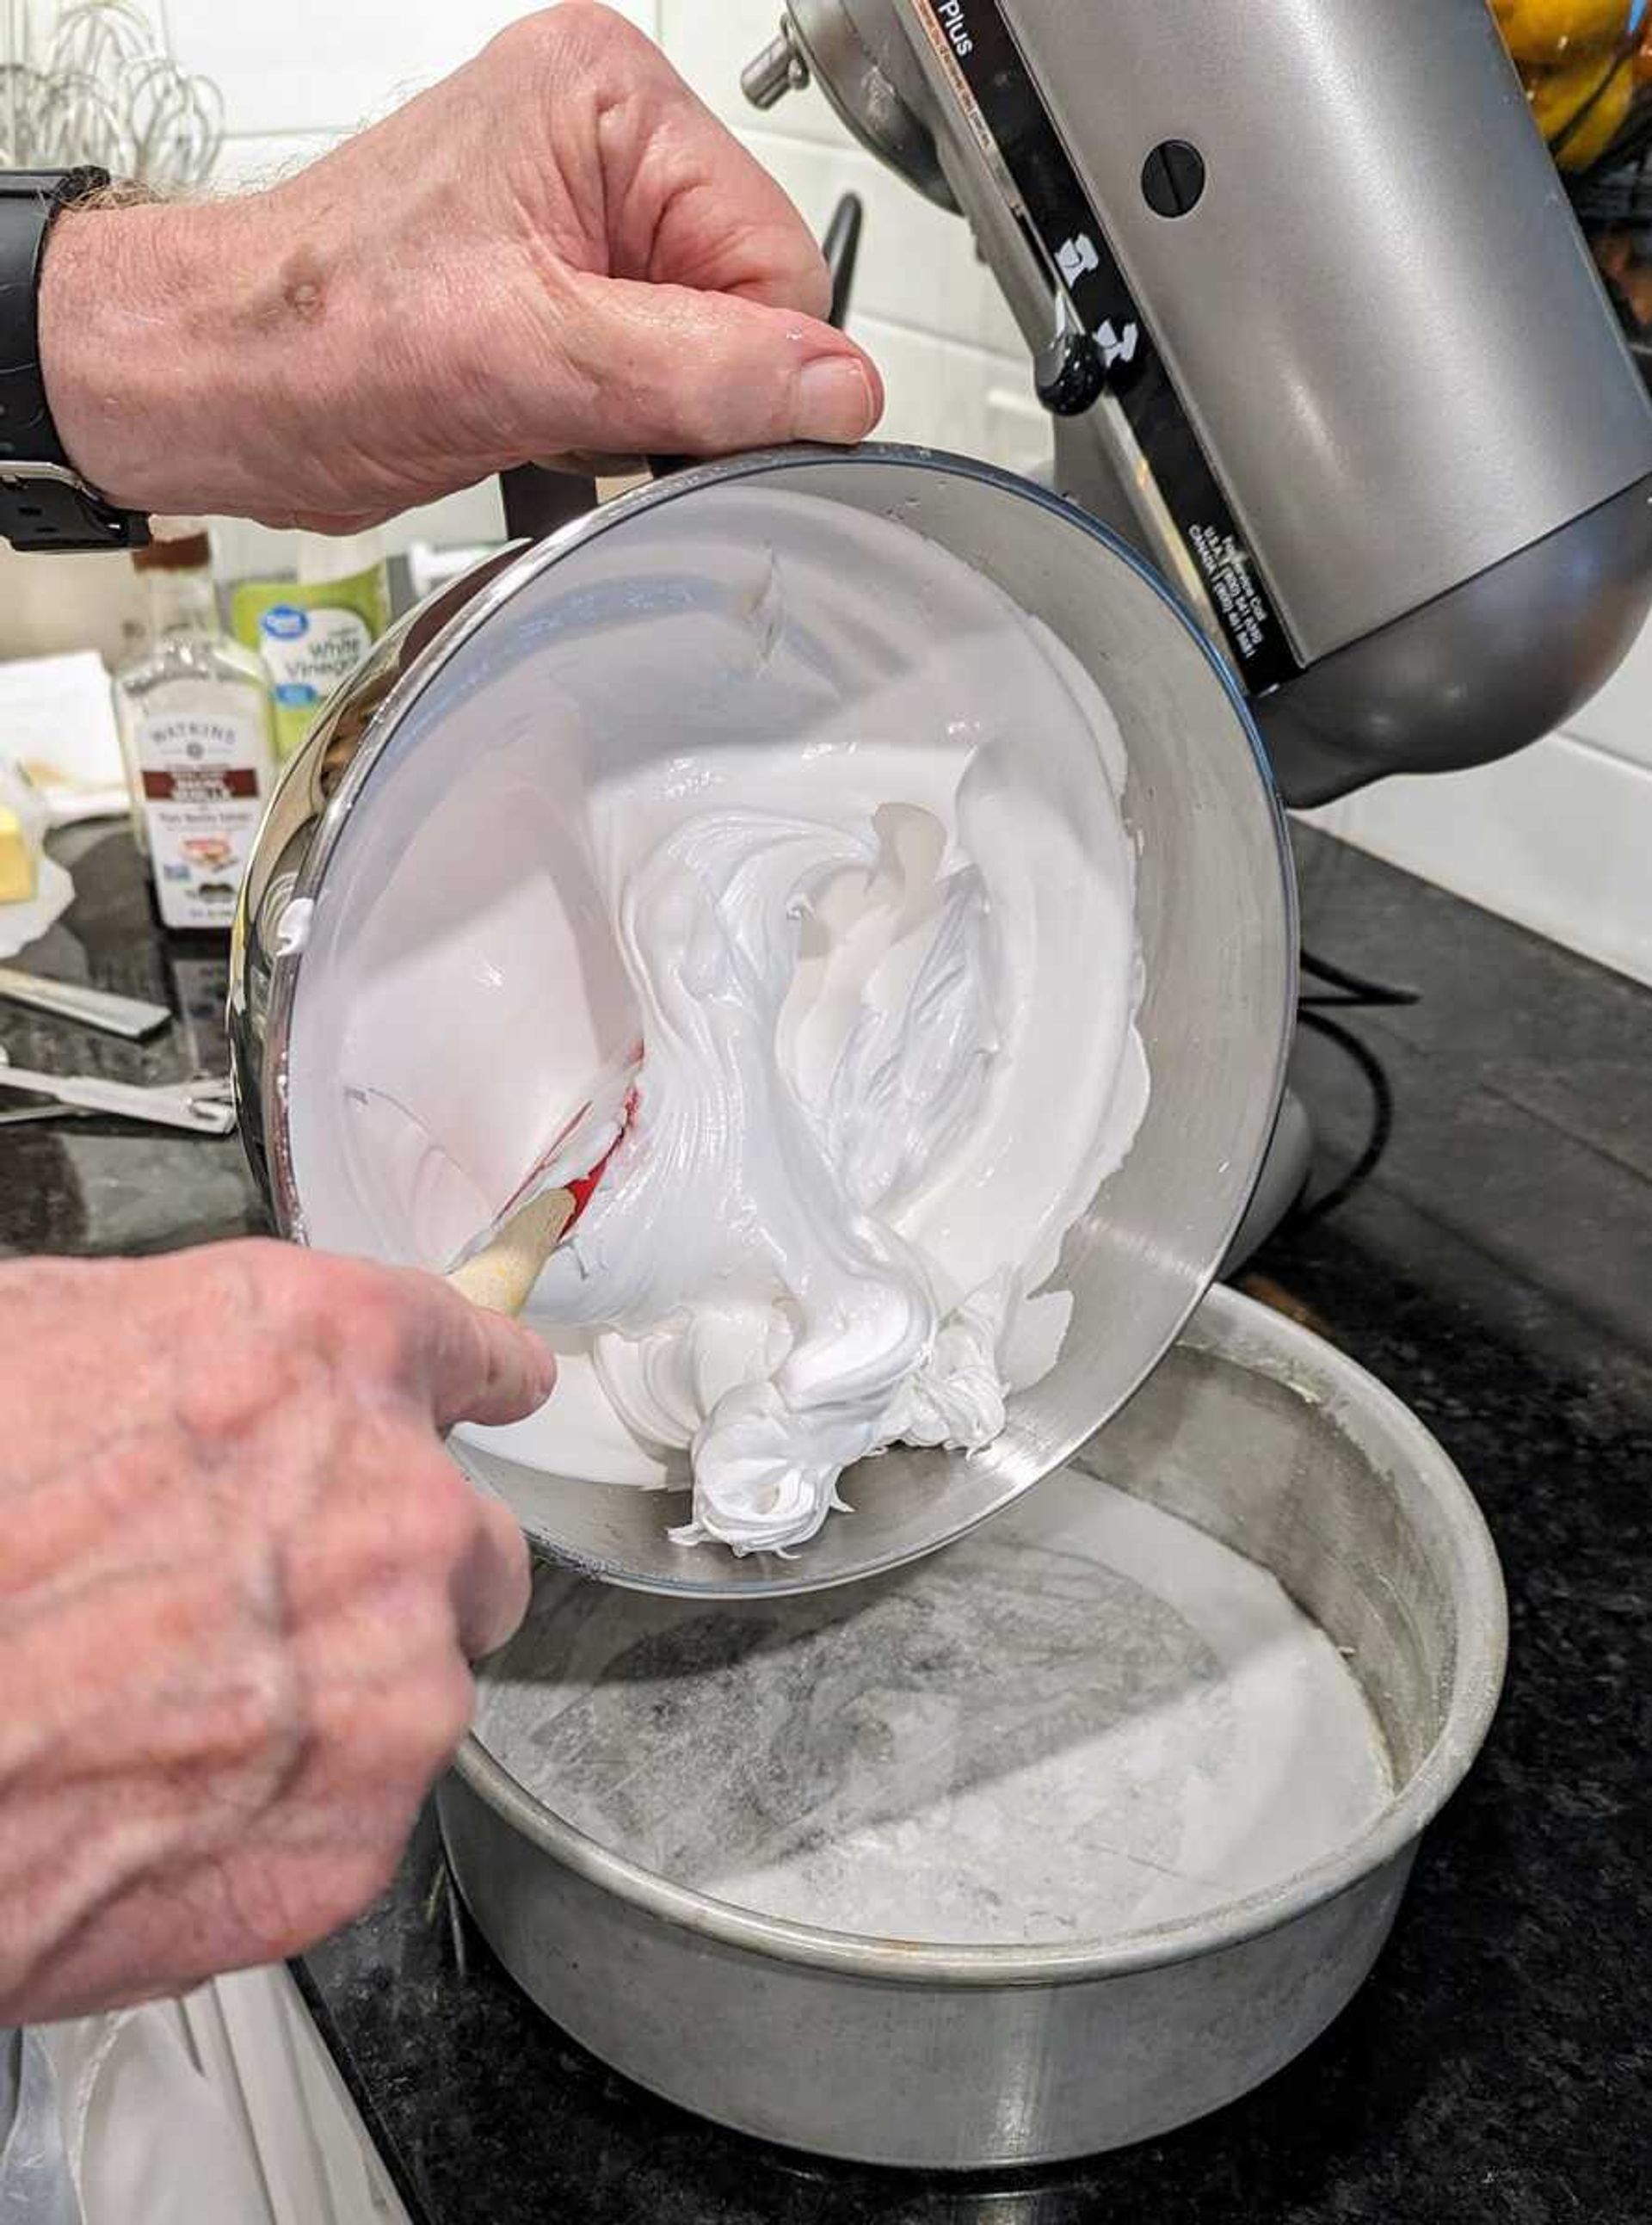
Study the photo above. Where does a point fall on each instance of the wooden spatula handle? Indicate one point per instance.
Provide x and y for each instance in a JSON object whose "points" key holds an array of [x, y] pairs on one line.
{"points": [[500, 1279]]}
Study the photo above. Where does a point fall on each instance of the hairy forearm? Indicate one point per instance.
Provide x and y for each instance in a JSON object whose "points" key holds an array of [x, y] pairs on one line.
{"points": [[556, 251], [176, 348], [251, 358]]}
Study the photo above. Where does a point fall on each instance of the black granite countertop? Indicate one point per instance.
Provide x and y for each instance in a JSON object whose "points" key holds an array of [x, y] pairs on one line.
{"points": [[1480, 1234]]}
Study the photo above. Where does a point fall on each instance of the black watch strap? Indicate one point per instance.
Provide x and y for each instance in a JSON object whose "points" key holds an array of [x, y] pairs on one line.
{"points": [[44, 502]]}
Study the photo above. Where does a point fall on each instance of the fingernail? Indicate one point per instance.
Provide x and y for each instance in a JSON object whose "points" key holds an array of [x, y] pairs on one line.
{"points": [[834, 400]]}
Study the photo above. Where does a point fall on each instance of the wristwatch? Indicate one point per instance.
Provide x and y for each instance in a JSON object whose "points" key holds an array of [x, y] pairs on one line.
{"points": [[44, 502]]}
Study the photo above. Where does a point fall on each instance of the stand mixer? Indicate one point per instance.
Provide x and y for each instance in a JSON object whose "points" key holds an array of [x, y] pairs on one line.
{"points": [[1318, 335], [1317, 332]]}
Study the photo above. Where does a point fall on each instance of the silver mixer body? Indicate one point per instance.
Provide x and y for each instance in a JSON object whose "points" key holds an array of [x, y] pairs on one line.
{"points": [[1317, 332]]}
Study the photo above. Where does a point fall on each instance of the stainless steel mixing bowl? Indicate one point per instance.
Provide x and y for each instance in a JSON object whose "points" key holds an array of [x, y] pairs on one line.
{"points": [[403, 744], [885, 2050]]}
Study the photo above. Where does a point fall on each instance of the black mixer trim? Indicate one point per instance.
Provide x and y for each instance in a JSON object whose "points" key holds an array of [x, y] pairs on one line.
{"points": [[989, 80]]}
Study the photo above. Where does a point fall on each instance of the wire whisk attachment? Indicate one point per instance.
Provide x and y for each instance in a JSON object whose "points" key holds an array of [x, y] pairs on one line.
{"points": [[93, 81]]}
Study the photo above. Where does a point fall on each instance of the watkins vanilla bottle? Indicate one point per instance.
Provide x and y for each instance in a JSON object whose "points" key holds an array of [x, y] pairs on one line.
{"points": [[199, 735]]}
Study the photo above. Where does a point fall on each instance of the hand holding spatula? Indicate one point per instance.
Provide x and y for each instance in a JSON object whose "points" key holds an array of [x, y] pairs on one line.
{"points": [[498, 1270]]}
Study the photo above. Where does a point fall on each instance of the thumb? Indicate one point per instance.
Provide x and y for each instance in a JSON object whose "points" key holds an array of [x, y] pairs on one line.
{"points": [[670, 369]]}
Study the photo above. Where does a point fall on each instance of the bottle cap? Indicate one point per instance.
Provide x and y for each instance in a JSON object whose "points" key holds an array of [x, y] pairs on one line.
{"points": [[176, 544], [324, 559]]}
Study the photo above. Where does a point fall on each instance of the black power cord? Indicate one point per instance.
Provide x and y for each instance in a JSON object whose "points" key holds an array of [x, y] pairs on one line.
{"points": [[1354, 993], [1347, 992], [1375, 1077]]}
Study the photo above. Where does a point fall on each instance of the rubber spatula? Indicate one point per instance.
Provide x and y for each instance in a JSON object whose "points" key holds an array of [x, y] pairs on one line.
{"points": [[498, 1270]]}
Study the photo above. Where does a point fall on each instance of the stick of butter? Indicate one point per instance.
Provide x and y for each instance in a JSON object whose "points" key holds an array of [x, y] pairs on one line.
{"points": [[16, 859]]}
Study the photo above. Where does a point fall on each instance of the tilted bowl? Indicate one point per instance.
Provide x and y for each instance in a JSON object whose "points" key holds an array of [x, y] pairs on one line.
{"points": [[410, 872]]}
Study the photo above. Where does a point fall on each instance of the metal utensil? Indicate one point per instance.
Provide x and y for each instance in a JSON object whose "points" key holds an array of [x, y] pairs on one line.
{"points": [[980, 2056], [35, 1115], [131, 1017], [203, 1108]]}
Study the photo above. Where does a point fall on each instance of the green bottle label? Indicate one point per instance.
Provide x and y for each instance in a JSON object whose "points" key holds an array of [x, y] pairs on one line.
{"points": [[311, 638]]}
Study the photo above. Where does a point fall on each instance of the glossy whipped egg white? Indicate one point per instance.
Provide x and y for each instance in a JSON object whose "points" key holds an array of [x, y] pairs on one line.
{"points": [[855, 867]]}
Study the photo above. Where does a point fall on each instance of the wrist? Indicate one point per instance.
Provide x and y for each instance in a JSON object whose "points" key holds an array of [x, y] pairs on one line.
{"points": [[138, 316]]}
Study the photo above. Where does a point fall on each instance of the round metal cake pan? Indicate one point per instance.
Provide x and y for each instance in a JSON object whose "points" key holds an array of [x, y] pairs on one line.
{"points": [[979, 2056]]}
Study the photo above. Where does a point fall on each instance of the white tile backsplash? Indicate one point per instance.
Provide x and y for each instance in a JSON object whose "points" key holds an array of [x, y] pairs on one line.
{"points": [[309, 65], [711, 40], [1557, 837], [943, 395], [333, 65], [1619, 720]]}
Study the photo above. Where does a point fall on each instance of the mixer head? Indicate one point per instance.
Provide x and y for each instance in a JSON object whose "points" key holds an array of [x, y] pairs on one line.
{"points": [[855, 51], [1316, 331]]}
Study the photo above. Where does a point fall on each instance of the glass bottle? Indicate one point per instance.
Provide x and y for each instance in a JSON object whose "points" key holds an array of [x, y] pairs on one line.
{"points": [[198, 735]]}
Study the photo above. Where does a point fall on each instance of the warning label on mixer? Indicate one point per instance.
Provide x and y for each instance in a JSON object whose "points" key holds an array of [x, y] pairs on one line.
{"points": [[1228, 574], [983, 67]]}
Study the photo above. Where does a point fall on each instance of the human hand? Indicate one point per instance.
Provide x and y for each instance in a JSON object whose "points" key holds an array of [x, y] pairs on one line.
{"points": [[556, 250], [239, 1582]]}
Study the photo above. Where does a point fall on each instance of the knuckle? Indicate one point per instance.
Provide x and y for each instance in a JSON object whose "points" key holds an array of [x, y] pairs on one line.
{"points": [[519, 43], [578, 31], [241, 1286], [250, 1387], [259, 1725], [421, 1727], [284, 1903], [268, 1907], [355, 1290], [274, 1313], [344, 1310], [210, 1698], [437, 1516], [364, 1877], [268, 1271], [595, 25], [452, 1709], [272, 1281]]}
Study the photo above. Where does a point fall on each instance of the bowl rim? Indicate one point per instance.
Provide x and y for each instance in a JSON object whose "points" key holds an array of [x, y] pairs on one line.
{"points": [[502, 576], [1232, 1326], [500, 580]]}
